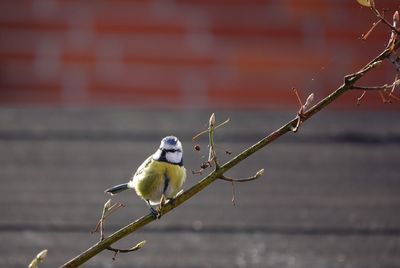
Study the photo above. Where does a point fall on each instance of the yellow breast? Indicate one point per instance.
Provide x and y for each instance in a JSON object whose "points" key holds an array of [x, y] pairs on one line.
{"points": [[150, 182]]}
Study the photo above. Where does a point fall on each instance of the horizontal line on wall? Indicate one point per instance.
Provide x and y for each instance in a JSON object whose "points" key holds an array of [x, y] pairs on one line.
{"points": [[268, 230], [127, 136]]}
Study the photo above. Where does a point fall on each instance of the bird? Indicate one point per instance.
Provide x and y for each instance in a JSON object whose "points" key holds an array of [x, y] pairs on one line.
{"points": [[161, 176]]}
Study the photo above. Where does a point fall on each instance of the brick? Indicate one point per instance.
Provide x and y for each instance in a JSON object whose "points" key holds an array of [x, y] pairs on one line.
{"points": [[12, 72], [15, 11], [259, 30], [185, 61], [26, 41], [38, 26], [139, 27], [137, 18], [78, 58], [224, 2], [249, 97], [241, 52], [309, 7], [28, 94], [278, 60], [16, 56], [140, 96]]}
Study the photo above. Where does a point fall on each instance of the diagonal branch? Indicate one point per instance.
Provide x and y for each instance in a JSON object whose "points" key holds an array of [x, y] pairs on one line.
{"points": [[349, 82]]}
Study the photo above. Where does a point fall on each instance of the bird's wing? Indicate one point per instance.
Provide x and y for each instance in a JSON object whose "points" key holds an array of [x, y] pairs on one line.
{"points": [[144, 165]]}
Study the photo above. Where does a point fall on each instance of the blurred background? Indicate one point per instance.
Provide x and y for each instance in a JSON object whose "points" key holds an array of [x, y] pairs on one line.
{"points": [[183, 54], [89, 88]]}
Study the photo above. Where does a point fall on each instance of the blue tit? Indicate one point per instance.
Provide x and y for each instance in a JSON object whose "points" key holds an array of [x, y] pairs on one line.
{"points": [[159, 177]]}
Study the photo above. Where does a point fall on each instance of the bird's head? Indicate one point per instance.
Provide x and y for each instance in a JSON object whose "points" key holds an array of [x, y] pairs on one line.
{"points": [[170, 151]]}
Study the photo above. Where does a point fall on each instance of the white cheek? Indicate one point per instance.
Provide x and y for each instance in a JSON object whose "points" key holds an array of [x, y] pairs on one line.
{"points": [[157, 154], [174, 157]]}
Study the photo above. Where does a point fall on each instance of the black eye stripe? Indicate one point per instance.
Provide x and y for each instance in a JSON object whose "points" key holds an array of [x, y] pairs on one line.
{"points": [[170, 150]]}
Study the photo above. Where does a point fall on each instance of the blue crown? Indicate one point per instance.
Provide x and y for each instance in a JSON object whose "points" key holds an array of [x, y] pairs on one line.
{"points": [[171, 140]]}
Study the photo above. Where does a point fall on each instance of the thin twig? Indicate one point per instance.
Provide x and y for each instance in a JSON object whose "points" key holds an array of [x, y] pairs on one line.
{"points": [[212, 154], [373, 64], [233, 200], [360, 98], [395, 84], [385, 21], [365, 36], [384, 100], [381, 17], [206, 131], [38, 259], [108, 209], [203, 167], [388, 89], [303, 107], [134, 248], [384, 87], [252, 178]]}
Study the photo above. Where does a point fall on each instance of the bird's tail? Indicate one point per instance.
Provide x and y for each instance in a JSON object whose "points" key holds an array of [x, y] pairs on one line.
{"points": [[117, 189]]}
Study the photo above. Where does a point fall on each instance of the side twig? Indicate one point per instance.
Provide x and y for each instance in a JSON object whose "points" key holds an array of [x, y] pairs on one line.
{"points": [[108, 209], [252, 178]]}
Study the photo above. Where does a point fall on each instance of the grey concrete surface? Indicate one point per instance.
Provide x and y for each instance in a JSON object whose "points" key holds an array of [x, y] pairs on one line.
{"points": [[330, 196]]}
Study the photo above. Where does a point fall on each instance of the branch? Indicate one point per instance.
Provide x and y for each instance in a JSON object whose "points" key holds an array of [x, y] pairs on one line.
{"points": [[384, 87], [252, 178], [38, 259], [387, 89], [348, 84], [134, 248], [108, 209], [206, 131], [303, 108], [212, 154], [372, 6], [382, 18]]}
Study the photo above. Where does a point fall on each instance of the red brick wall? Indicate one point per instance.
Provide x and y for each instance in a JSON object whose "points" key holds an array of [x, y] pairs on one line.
{"points": [[195, 53]]}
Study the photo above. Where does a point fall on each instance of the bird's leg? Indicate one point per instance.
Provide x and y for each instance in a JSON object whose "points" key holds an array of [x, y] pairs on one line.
{"points": [[153, 211], [172, 199], [162, 203], [162, 200]]}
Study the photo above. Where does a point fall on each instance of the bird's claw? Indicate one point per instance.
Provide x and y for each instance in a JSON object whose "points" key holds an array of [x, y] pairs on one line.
{"points": [[171, 201], [155, 212]]}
